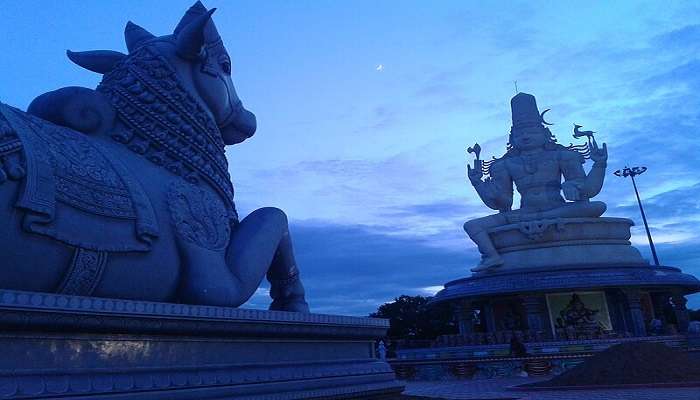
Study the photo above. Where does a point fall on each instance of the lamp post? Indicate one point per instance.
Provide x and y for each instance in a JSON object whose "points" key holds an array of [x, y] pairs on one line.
{"points": [[632, 172]]}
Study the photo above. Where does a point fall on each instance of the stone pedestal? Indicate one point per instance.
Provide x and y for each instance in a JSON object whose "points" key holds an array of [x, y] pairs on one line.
{"points": [[562, 255], [71, 347], [568, 255], [565, 242]]}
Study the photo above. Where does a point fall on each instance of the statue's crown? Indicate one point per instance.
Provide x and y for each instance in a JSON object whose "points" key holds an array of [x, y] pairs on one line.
{"points": [[524, 111]]}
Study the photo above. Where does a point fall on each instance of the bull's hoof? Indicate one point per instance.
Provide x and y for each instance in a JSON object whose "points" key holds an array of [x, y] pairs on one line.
{"points": [[293, 305], [288, 297]]}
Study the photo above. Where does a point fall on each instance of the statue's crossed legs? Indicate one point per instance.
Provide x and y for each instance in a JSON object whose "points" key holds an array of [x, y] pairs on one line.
{"points": [[478, 228]]}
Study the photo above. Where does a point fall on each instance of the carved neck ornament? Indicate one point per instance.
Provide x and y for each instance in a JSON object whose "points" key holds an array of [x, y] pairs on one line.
{"points": [[165, 122]]}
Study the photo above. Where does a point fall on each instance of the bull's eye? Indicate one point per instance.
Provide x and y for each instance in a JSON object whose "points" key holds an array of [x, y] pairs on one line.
{"points": [[226, 66], [225, 63]]}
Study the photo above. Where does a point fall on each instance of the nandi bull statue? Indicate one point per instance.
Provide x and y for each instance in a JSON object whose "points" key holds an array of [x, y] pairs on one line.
{"points": [[124, 191]]}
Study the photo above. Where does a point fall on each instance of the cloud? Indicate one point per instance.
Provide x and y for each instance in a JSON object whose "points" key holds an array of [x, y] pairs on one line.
{"points": [[348, 269], [381, 117], [341, 191], [260, 299], [446, 209], [684, 38], [673, 217], [351, 269], [683, 202], [403, 190]]}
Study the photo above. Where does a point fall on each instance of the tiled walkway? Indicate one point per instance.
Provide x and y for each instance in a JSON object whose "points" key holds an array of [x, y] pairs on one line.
{"points": [[496, 389]]}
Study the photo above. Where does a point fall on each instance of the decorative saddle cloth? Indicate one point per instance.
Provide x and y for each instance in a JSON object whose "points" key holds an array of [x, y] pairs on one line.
{"points": [[75, 191]]}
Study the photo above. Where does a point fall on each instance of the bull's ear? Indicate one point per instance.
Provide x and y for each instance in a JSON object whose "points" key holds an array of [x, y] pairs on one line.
{"points": [[135, 35], [100, 61]]}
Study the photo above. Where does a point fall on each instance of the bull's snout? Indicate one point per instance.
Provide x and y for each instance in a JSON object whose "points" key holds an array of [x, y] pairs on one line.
{"points": [[246, 123], [240, 128]]}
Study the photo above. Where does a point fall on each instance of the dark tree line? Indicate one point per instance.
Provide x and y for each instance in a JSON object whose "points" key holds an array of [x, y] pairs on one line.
{"points": [[412, 318], [694, 315]]}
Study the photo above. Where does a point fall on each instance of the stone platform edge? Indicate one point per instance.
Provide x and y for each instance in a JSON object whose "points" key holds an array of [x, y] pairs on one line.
{"points": [[30, 310], [71, 347]]}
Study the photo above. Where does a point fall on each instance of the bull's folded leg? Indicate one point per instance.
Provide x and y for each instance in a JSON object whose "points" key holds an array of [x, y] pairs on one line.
{"points": [[206, 279], [286, 289], [260, 246]]}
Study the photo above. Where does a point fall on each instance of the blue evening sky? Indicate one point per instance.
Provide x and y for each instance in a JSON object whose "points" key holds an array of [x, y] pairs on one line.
{"points": [[369, 162]]}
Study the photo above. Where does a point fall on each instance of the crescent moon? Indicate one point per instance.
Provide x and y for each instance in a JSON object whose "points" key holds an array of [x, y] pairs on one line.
{"points": [[542, 117]]}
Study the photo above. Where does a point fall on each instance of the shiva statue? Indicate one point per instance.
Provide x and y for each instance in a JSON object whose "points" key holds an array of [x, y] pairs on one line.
{"points": [[536, 164]]}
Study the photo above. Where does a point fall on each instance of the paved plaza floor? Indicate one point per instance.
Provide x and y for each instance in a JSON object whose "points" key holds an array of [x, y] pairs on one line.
{"points": [[491, 389]]}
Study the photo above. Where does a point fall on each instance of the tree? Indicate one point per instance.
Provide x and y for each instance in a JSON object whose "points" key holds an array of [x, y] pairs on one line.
{"points": [[694, 315], [411, 317]]}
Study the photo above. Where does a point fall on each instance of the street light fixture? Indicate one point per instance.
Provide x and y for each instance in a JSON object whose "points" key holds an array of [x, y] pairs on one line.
{"points": [[632, 172]]}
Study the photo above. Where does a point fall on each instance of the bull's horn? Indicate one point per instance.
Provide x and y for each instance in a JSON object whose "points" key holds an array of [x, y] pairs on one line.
{"points": [[191, 39], [196, 10]]}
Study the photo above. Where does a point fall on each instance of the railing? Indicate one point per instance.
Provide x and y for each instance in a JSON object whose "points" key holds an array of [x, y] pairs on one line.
{"points": [[496, 360], [498, 337], [527, 336], [501, 338]]}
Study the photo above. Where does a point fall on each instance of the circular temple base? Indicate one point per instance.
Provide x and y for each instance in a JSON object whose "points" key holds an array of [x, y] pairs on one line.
{"points": [[571, 278]]}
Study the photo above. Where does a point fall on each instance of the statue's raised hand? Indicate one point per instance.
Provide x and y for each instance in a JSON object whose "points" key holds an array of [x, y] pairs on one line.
{"points": [[475, 174], [599, 154]]}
